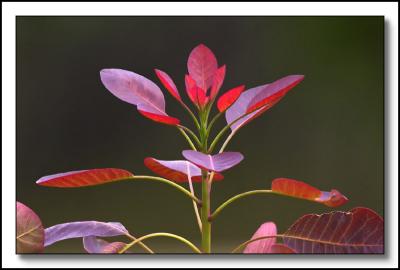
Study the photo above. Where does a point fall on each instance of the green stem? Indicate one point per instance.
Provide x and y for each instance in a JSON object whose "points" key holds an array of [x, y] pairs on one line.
{"points": [[191, 133], [140, 243], [183, 240], [196, 122], [187, 138], [234, 198], [217, 138], [205, 212], [168, 182], [213, 121]]}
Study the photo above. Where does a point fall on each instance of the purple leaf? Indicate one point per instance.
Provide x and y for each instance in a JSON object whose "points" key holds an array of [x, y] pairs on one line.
{"points": [[257, 100], [92, 244], [81, 229], [217, 163], [239, 108], [263, 245], [176, 170], [137, 90], [30, 232], [274, 92]]}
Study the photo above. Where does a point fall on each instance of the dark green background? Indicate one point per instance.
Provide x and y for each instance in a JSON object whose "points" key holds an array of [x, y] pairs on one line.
{"points": [[328, 131]]}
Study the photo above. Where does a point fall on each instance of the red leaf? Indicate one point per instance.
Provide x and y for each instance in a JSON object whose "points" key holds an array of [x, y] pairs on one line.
{"points": [[168, 83], [202, 66], [164, 119], [273, 92], [228, 98], [177, 170], [357, 231], [195, 93], [84, 178], [301, 190], [218, 80], [281, 249], [30, 232]]}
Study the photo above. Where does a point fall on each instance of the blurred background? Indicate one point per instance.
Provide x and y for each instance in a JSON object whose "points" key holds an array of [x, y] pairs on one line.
{"points": [[328, 131]]}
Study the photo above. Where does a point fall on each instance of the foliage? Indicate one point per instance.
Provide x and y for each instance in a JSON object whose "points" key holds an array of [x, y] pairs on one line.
{"points": [[357, 231]]}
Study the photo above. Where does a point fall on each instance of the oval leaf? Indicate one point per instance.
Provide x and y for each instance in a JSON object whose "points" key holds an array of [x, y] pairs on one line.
{"points": [[30, 232], [239, 109], [82, 229], [274, 92], [262, 245], [357, 231], [301, 190], [168, 84], [229, 97], [202, 66], [176, 170], [248, 106], [84, 178], [92, 244], [135, 89], [217, 163]]}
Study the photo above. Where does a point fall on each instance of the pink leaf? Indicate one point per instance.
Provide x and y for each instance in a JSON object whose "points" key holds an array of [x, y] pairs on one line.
{"points": [[135, 89], [357, 231], [176, 170], [218, 80], [301, 190], [30, 232], [202, 66], [217, 163], [168, 84], [229, 97], [262, 245], [84, 178]]}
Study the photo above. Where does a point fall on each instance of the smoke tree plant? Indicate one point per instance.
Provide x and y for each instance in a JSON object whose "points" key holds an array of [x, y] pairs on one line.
{"points": [[359, 230]]}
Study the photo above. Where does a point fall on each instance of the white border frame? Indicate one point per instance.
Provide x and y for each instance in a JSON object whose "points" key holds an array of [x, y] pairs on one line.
{"points": [[11, 10]]}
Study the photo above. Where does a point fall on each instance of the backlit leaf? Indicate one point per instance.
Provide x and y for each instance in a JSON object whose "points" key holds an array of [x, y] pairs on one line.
{"points": [[92, 244], [195, 93], [136, 89], [168, 83], [202, 66], [272, 93], [218, 80], [248, 105], [262, 245], [176, 170], [30, 232], [228, 98], [357, 231], [84, 178], [82, 229], [301, 190], [217, 163]]}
